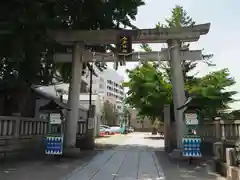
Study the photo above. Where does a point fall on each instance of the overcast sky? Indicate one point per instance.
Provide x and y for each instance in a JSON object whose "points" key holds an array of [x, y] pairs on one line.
{"points": [[222, 40]]}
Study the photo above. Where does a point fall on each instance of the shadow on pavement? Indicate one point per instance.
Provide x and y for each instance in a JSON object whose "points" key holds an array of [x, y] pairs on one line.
{"points": [[182, 170], [154, 138], [39, 166]]}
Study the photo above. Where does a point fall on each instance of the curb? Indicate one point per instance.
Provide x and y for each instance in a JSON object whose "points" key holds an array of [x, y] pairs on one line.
{"points": [[158, 166]]}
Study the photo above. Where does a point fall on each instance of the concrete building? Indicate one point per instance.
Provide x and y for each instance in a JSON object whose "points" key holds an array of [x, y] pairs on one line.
{"points": [[108, 84], [97, 100], [138, 123]]}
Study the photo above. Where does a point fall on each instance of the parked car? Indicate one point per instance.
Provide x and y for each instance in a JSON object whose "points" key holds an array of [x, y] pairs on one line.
{"points": [[104, 126], [116, 129], [101, 131], [108, 129]]}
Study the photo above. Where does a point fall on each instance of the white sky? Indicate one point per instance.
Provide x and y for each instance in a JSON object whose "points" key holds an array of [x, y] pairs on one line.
{"points": [[222, 40]]}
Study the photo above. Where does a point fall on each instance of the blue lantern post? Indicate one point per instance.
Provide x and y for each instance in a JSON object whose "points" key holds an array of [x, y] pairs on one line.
{"points": [[53, 112], [191, 140]]}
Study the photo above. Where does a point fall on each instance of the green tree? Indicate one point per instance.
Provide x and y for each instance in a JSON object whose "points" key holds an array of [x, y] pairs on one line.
{"points": [[180, 18], [150, 85], [25, 48], [210, 92], [148, 91]]}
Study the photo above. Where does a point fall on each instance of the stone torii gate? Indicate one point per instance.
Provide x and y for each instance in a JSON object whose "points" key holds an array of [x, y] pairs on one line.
{"points": [[171, 36]]}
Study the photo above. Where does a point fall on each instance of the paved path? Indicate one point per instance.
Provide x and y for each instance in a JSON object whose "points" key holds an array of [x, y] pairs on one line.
{"points": [[132, 158], [43, 168], [136, 156]]}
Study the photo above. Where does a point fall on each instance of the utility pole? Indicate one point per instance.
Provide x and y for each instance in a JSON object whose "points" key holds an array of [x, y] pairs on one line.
{"points": [[90, 95]]}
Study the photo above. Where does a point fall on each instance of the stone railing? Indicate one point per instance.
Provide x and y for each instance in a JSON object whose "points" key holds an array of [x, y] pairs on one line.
{"points": [[21, 127], [21, 132], [217, 130]]}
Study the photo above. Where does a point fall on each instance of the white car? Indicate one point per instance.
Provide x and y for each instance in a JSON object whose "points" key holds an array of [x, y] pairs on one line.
{"points": [[102, 131], [108, 129], [116, 129]]}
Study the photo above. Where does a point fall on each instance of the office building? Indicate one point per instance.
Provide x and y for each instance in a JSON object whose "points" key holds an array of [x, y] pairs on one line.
{"points": [[108, 84]]}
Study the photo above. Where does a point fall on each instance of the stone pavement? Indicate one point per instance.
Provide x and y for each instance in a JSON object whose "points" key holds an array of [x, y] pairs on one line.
{"points": [[42, 167], [184, 171], [131, 159], [136, 156]]}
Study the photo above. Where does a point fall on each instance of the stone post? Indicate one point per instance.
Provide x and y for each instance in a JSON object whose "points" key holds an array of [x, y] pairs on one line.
{"points": [[73, 97], [178, 88], [167, 128]]}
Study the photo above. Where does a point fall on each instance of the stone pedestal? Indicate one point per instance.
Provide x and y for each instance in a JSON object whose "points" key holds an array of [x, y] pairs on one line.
{"points": [[87, 142], [177, 154], [71, 152]]}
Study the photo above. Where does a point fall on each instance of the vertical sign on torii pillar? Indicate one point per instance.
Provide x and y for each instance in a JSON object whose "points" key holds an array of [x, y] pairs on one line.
{"points": [[172, 36]]}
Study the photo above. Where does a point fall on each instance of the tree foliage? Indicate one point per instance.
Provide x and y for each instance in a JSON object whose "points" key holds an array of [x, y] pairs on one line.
{"points": [[148, 91], [26, 49], [150, 84], [210, 92]]}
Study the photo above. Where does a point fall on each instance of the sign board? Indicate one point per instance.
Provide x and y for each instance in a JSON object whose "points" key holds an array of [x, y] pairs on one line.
{"points": [[191, 118], [55, 118], [124, 44], [54, 145], [191, 146]]}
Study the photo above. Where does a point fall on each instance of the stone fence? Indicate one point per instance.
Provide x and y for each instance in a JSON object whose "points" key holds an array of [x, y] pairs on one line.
{"points": [[220, 130], [18, 133]]}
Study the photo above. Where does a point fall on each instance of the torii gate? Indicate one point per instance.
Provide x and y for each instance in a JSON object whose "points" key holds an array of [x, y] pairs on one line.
{"points": [[171, 36]]}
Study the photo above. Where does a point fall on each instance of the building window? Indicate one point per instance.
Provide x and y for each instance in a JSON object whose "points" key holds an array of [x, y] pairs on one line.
{"points": [[109, 88], [109, 82]]}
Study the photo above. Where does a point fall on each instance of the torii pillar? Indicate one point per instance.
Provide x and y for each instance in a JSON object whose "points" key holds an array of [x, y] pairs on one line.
{"points": [[177, 88], [73, 96]]}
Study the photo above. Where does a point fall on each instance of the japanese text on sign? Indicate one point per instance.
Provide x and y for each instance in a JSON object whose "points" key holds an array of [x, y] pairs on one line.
{"points": [[125, 44]]}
